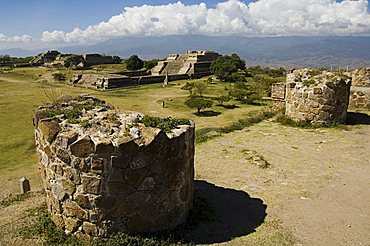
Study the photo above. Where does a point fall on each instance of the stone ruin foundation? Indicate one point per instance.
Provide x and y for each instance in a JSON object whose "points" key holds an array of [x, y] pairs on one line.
{"points": [[314, 96], [104, 171]]}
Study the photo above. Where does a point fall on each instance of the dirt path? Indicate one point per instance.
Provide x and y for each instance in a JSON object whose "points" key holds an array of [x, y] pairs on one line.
{"points": [[317, 185]]}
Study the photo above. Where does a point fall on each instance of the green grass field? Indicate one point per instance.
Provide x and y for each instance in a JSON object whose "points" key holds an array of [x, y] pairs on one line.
{"points": [[23, 89]]}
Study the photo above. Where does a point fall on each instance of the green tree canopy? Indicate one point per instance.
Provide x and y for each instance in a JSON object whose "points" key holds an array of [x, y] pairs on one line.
{"points": [[73, 60], [198, 103], [225, 66], [134, 63], [150, 64], [116, 59]]}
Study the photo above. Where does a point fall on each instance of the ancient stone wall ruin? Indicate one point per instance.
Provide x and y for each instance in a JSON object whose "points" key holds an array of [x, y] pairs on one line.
{"points": [[317, 97], [105, 171], [360, 98], [361, 77], [196, 64]]}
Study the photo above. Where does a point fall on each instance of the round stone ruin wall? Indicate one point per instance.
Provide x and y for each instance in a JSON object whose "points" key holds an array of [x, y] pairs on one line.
{"points": [[317, 97], [104, 171]]}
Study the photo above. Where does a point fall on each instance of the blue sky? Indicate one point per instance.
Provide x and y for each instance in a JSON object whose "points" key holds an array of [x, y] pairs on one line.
{"points": [[18, 17], [37, 23]]}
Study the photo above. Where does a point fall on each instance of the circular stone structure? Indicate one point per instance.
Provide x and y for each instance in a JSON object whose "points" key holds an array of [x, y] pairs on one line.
{"points": [[317, 97], [105, 171]]}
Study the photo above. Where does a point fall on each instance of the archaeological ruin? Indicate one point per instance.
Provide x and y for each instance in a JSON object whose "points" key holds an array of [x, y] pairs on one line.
{"points": [[56, 59], [317, 97], [105, 171], [360, 90], [196, 64], [193, 64]]}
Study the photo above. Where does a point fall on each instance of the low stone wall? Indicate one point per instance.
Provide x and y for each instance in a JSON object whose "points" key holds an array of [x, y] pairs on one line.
{"points": [[317, 98], [360, 98], [104, 171], [361, 77]]}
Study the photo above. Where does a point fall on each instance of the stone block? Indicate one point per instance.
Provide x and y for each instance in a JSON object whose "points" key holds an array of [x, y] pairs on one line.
{"points": [[83, 147], [49, 129], [104, 146], [71, 224], [90, 229], [317, 90], [83, 201], [97, 164], [72, 209], [58, 220], [24, 185], [90, 184], [68, 186]]}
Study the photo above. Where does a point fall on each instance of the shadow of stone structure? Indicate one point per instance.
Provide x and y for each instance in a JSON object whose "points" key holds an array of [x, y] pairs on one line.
{"points": [[235, 214], [355, 118]]}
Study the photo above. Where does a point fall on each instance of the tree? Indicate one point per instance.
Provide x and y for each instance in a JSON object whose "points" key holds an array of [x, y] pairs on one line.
{"points": [[59, 76], [116, 59], [225, 66], [244, 93], [150, 64], [195, 87], [73, 60], [134, 63], [223, 99], [198, 103]]}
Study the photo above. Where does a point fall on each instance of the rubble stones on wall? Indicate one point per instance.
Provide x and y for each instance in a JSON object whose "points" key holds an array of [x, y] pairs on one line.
{"points": [[359, 98], [105, 171], [361, 77], [318, 98]]}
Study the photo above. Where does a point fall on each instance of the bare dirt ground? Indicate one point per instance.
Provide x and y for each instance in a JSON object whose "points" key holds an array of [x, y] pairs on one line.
{"points": [[314, 192], [316, 187]]}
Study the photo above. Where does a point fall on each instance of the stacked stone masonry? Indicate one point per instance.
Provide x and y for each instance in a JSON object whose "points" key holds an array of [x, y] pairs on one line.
{"points": [[104, 171], [196, 64], [317, 97], [360, 98]]}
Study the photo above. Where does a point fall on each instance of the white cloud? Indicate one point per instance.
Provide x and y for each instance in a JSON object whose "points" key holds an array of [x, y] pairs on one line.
{"points": [[233, 17], [20, 39]]}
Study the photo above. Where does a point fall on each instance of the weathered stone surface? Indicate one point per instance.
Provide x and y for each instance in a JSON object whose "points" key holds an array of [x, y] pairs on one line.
{"points": [[72, 209], [49, 129], [83, 147], [67, 138], [24, 185], [63, 155], [360, 98], [90, 229], [72, 224], [317, 98], [100, 178], [90, 184], [104, 146], [58, 220], [83, 201], [97, 164], [69, 187]]}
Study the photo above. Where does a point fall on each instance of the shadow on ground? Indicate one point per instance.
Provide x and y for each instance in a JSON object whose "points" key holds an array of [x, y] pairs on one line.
{"points": [[208, 113], [228, 106], [354, 118], [235, 214]]}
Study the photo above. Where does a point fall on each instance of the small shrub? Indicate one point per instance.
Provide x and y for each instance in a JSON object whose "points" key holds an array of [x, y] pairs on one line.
{"points": [[198, 103], [59, 76], [309, 82], [165, 124]]}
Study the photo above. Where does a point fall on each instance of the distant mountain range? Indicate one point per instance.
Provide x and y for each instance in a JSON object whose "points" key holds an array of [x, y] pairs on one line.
{"points": [[266, 51]]}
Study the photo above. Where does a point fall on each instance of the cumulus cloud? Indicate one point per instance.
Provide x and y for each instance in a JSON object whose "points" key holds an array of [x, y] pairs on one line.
{"points": [[233, 17], [21, 39]]}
